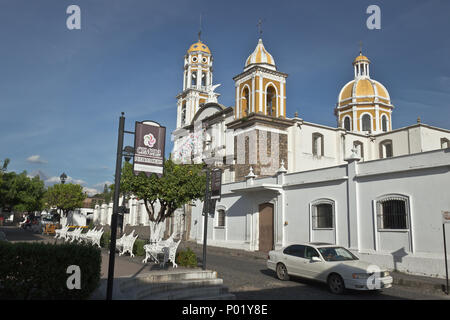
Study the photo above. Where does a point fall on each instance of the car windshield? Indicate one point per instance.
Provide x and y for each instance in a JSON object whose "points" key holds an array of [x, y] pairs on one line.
{"points": [[336, 254]]}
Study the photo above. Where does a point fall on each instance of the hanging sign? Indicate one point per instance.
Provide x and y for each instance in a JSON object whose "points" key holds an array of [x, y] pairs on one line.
{"points": [[149, 148]]}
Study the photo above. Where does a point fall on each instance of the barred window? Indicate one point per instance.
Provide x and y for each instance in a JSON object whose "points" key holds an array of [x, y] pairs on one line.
{"points": [[322, 215], [392, 213], [221, 218]]}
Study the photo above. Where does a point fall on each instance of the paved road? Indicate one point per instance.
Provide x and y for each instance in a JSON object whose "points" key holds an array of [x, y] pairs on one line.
{"points": [[249, 279]]}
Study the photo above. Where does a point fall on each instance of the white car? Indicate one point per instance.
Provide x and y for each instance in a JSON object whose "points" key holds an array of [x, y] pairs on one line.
{"points": [[328, 263]]}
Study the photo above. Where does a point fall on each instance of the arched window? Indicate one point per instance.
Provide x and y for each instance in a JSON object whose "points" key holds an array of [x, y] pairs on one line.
{"points": [[386, 149], [183, 113], [393, 212], [384, 124], [347, 124], [317, 144], [366, 122], [271, 102], [194, 79], [221, 218], [204, 79], [245, 102], [322, 214]]}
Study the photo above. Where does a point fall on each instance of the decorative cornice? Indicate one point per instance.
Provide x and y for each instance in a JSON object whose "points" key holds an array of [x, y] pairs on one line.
{"points": [[257, 68], [259, 118]]}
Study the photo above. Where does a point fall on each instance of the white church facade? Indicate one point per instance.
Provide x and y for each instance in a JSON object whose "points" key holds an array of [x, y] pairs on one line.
{"points": [[364, 185]]}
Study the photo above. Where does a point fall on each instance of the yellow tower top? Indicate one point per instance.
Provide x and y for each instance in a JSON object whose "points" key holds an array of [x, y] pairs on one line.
{"points": [[199, 46]]}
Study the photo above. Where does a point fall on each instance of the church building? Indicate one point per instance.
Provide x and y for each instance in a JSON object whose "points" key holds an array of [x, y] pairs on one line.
{"points": [[377, 190]]}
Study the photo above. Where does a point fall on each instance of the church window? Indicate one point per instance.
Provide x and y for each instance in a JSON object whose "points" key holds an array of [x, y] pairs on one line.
{"points": [[317, 144], [221, 218], [271, 101], [194, 79], [204, 79], [392, 212], [445, 143], [245, 102], [358, 145], [386, 149], [347, 124], [384, 123], [183, 113], [322, 213], [366, 122]]}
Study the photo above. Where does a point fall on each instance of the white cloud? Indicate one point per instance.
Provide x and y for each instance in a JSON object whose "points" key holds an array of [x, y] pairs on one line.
{"points": [[102, 184], [69, 179], [36, 159], [90, 191]]}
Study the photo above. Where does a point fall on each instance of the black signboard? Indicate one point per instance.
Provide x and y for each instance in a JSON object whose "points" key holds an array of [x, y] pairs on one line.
{"points": [[149, 148]]}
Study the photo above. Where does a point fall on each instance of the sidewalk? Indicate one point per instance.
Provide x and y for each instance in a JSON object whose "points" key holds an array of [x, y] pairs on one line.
{"points": [[399, 278]]}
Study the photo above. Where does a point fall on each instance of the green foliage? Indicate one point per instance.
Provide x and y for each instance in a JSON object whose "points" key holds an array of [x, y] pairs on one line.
{"points": [[105, 240], [138, 247], [186, 258], [179, 185], [65, 197], [39, 270], [20, 192]]}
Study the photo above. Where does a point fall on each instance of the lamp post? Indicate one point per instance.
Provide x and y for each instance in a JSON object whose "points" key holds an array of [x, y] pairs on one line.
{"points": [[128, 153], [63, 178]]}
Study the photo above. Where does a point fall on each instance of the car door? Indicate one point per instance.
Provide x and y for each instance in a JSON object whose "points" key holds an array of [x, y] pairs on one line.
{"points": [[293, 259], [313, 269]]}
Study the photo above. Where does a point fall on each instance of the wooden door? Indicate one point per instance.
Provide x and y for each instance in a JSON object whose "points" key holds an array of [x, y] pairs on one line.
{"points": [[266, 231]]}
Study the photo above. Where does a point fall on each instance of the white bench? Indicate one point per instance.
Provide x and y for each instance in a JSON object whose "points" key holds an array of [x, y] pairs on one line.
{"points": [[85, 237], [93, 237], [167, 247], [73, 235], [126, 243], [61, 232], [170, 254]]}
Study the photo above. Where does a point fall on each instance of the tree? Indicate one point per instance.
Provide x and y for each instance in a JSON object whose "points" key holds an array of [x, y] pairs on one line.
{"points": [[20, 192], [179, 185], [65, 197]]}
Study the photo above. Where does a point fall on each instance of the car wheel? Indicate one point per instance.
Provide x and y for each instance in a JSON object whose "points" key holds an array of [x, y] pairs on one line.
{"points": [[336, 284], [282, 273]]}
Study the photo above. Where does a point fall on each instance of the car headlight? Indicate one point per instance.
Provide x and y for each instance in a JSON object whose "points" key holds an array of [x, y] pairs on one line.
{"points": [[361, 275]]}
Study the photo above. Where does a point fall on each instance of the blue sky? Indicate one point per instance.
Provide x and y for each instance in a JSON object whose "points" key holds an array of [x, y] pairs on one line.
{"points": [[62, 91]]}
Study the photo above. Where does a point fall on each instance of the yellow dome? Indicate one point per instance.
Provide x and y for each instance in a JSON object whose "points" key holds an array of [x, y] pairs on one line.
{"points": [[260, 56], [199, 46], [363, 90], [361, 58]]}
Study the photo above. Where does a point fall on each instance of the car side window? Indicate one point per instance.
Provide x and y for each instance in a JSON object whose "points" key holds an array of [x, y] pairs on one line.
{"points": [[295, 250], [311, 252]]}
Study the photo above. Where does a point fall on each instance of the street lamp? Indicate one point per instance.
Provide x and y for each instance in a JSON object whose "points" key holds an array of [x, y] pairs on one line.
{"points": [[63, 178]]}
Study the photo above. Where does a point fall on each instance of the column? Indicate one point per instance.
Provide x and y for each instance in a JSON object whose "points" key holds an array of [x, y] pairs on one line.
{"points": [[352, 203]]}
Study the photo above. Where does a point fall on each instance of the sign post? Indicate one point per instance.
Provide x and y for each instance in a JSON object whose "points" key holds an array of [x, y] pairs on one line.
{"points": [[445, 220], [112, 244], [212, 194]]}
